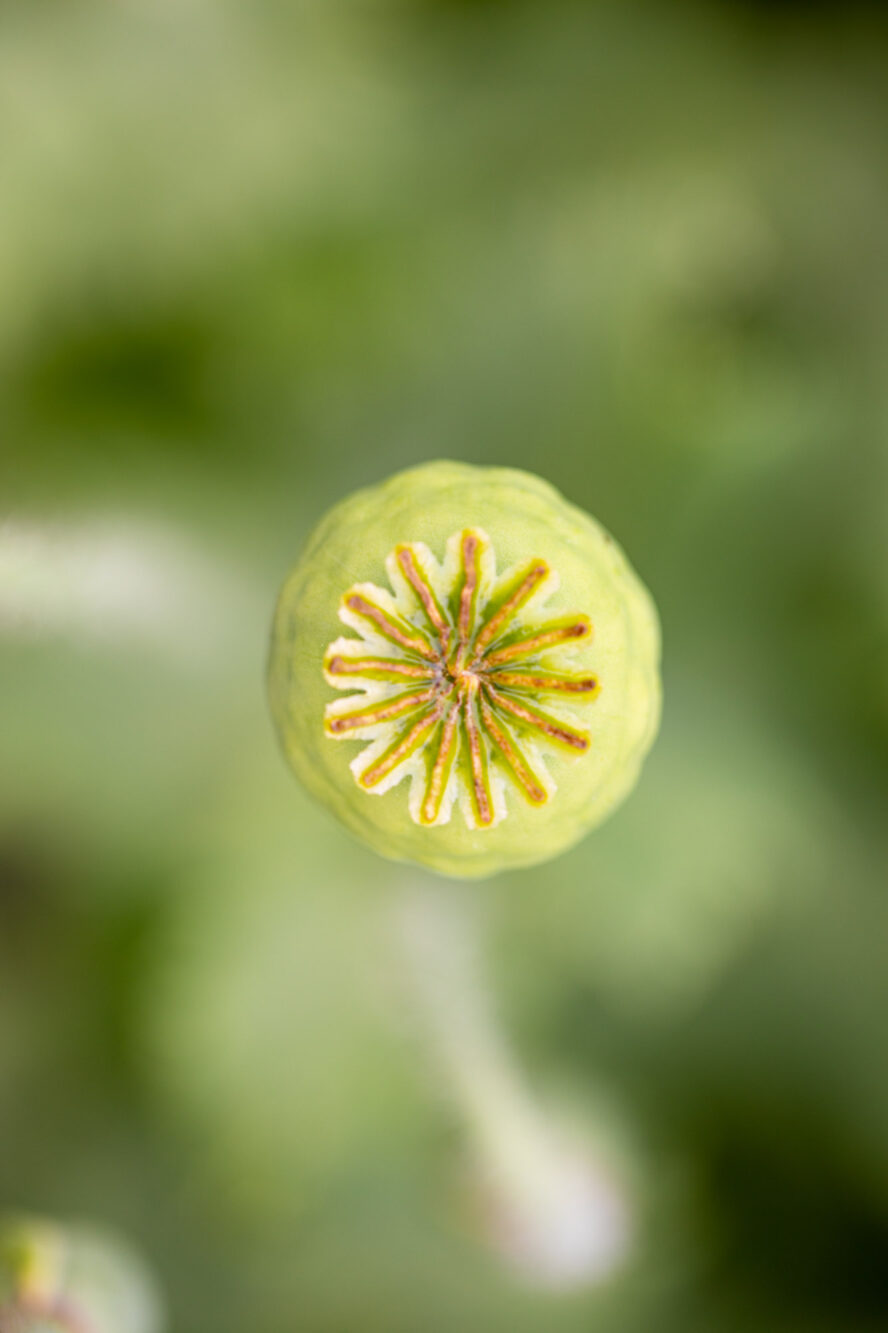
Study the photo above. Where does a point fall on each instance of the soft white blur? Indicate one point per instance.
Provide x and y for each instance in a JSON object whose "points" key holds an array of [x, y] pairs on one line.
{"points": [[550, 1201]]}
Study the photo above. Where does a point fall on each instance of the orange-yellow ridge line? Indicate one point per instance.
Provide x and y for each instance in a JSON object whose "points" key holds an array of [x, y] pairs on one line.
{"points": [[517, 680], [384, 765], [557, 731], [355, 602], [435, 792], [535, 643], [485, 814], [368, 717], [470, 545], [416, 578], [356, 666], [533, 578], [513, 756]]}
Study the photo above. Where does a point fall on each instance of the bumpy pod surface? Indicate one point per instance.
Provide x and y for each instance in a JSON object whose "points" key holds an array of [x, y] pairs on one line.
{"points": [[464, 669]]}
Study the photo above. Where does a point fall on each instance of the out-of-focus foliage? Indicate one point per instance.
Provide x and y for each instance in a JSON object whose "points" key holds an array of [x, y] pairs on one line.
{"points": [[254, 255]]}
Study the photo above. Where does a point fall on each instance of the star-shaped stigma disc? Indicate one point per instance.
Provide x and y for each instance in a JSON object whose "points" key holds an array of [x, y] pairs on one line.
{"points": [[457, 673]]}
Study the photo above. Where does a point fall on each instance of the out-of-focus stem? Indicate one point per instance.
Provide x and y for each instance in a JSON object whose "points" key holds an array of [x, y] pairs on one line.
{"points": [[550, 1204]]}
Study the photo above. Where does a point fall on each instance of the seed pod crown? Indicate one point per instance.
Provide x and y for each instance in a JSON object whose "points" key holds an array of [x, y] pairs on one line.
{"points": [[497, 688]]}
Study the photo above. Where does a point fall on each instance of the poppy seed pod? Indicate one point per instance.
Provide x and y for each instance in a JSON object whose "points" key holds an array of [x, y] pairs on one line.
{"points": [[72, 1279], [464, 669]]}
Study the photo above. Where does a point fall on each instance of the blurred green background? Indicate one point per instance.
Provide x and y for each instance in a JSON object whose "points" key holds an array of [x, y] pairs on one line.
{"points": [[254, 254]]}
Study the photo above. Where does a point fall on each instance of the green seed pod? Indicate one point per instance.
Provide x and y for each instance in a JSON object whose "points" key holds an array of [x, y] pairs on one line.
{"points": [[72, 1279], [464, 668]]}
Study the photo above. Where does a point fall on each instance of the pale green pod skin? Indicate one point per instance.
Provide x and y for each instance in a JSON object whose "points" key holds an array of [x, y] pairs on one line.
{"points": [[380, 636]]}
